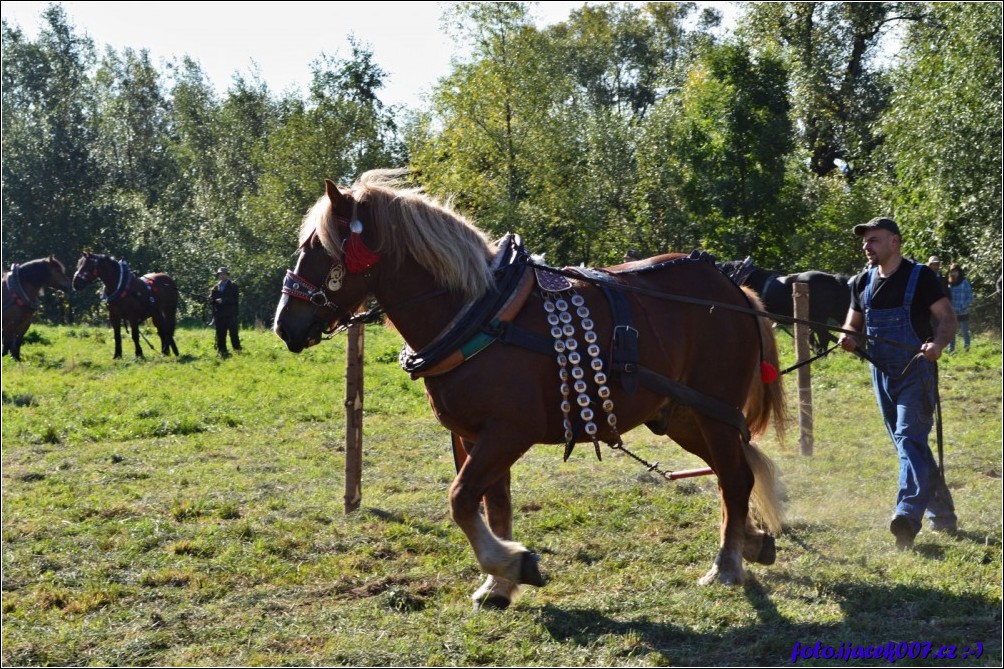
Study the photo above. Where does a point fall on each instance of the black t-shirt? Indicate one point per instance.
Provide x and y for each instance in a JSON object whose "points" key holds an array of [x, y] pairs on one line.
{"points": [[891, 291]]}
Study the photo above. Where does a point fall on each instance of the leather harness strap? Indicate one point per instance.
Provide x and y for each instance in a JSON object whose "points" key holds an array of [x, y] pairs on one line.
{"points": [[624, 344], [21, 297]]}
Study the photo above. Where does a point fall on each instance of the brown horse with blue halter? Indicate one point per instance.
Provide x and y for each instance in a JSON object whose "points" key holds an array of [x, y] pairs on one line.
{"points": [[22, 286], [132, 299], [515, 354]]}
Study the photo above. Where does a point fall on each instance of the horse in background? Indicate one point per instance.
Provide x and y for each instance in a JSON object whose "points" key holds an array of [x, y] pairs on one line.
{"points": [[829, 296], [22, 286], [514, 354], [132, 299]]}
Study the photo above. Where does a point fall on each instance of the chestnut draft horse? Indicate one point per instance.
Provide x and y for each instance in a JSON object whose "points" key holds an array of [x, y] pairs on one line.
{"points": [[829, 296], [21, 287], [132, 298], [432, 272]]}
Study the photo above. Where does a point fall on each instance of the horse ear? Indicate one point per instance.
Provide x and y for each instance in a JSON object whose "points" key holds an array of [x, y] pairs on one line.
{"points": [[342, 204], [335, 195]]}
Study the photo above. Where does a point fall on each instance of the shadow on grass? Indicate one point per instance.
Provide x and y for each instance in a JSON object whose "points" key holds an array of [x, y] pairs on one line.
{"points": [[873, 616]]}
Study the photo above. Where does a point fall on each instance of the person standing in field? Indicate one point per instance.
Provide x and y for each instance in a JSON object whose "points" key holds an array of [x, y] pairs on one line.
{"points": [[961, 292], [225, 301], [894, 303]]}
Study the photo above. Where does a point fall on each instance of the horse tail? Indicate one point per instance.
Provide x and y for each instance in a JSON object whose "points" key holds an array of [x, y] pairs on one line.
{"points": [[765, 499], [766, 402]]}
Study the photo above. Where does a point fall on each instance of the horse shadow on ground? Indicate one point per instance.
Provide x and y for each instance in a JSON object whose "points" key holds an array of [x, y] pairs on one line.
{"points": [[924, 615], [897, 612]]}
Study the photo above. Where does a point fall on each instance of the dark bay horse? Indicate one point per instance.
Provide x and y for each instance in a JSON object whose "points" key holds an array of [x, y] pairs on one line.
{"points": [[829, 297], [506, 384], [22, 286], [132, 299]]}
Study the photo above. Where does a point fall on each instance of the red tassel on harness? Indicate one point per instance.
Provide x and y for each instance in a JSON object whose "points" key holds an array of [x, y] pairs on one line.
{"points": [[358, 257], [768, 372]]}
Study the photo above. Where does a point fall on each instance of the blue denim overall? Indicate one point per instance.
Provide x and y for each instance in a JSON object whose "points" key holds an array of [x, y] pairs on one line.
{"points": [[907, 406]]}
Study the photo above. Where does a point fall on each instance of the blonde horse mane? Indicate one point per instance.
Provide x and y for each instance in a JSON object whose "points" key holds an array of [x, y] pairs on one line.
{"points": [[456, 253]]}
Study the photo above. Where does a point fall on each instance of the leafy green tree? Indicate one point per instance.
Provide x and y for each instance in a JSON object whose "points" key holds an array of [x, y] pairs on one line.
{"points": [[943, 135], [49, 171], [490, 120], [734, 133], [342, 130], [838, 90], [538, 131], [131, 149], [620, 59]]}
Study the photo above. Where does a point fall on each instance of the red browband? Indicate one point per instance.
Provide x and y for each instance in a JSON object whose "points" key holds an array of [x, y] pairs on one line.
{"points": [[358, 256]]}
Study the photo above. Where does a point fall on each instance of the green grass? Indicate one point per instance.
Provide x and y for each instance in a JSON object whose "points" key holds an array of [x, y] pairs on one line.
{"points": [[190, 512]]}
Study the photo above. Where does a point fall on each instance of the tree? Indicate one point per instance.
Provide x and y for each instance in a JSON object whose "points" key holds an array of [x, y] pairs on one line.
{"points": [[944, 133], [491, 119], [131, 150], [341, 131], [838, 92], [49, 172], [733, 134]]}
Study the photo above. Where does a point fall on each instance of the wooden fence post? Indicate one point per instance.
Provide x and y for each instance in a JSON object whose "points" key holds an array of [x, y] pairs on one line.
{"points": [[354, 417], [800, 296]]}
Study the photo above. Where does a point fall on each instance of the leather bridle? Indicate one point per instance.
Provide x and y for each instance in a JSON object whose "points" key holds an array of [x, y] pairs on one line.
{"points": [[87, 274], [299, 288]]}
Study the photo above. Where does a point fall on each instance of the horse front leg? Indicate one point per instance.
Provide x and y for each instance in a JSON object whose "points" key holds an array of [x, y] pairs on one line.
{"points": [[485, 470], [117, 329], [496, 592]]}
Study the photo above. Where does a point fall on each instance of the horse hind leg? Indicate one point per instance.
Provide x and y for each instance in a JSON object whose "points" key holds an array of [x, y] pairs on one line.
{"points": [[117, 330], [165, 330], [13, 347], [170, 326], [134, 326], [759, 546], [720, 446]]}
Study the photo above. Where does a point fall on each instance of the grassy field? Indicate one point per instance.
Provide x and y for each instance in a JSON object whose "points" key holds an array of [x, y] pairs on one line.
{"points": [[189, 512]]}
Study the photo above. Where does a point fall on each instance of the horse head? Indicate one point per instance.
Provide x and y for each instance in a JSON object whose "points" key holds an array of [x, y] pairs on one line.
{"points": [[57, 276], [329, 282], [87, 271], [419, 259]]}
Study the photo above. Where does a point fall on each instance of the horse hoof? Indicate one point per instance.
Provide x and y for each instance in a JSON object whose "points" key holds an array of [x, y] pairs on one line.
{"points": [[768, 551], [716, 575], [492, 603], [529, 573]]}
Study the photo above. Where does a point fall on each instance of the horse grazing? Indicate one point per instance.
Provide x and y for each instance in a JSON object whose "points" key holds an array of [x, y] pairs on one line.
{"points": [[132, 298], [21, 287], [829, 296], [515, 354]]}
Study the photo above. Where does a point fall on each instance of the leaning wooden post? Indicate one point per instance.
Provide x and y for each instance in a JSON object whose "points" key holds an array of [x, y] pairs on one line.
{"points": [[354, 418], [800, 296]]}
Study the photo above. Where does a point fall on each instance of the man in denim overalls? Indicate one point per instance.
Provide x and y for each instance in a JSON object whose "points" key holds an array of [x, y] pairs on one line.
{"points": [[895, 301]]}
